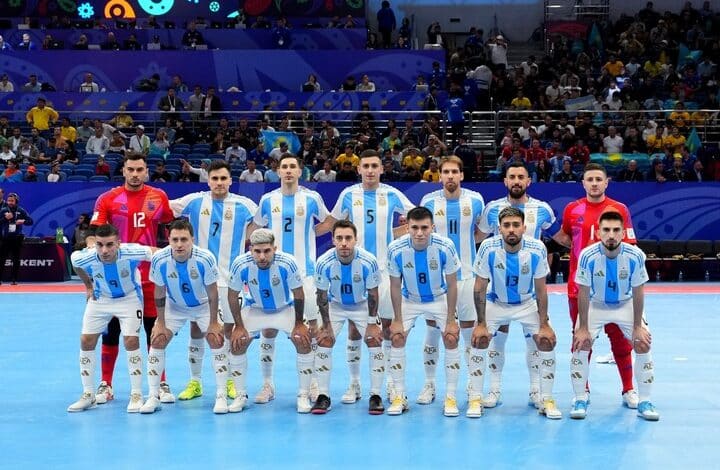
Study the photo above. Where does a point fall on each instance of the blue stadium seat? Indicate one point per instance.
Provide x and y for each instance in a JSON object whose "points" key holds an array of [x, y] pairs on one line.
{"points": [[85, 173], [201, 148], [99, 179], [196, 156], [76, 179]]}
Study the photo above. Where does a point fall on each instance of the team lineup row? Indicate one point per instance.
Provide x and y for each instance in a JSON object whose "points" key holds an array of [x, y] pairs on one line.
{"points": [[423, 272]]}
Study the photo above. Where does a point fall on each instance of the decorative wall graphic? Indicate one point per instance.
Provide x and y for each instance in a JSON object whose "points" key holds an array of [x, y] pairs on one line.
{"points": [[85, 10], [158, 8], [119, 9]]}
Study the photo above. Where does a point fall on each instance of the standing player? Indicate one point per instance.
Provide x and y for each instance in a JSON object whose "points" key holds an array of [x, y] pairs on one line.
{"points": [[137, 210], [517, 266], [423, 270], [539, 220], [457, 213], [291, 213], [222, 221], [274, 300], [112, 280], [610, 279], [371, 206], [187, 275], [579, 230], [347, 278]]}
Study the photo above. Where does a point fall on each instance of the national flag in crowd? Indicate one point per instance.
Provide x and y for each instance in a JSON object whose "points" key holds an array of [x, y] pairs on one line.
{"points": [[273, 139]]}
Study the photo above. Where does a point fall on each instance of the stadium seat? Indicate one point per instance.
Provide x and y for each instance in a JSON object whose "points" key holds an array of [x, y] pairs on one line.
{"points": [[84, 172], [672, 249], [196, 156], [76, 179], [99, 179]]}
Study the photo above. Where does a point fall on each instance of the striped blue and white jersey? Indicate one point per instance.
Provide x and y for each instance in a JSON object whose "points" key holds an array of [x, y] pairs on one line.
{"points": [[347, 284], [292, 219], [611, 280], [423, 272], [539, 217], [220, 225], [269, 289], [185, 282], [457, 220], [512, 275], [120, 278], [373, 213]]}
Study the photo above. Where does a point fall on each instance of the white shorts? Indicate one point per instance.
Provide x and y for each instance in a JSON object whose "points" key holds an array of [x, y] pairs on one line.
{"points": [[256, 319], [224, 313], [600, 314], [98, 313], [385, 308], [311, 309], [435, 310], [357, 313], [526, 313], [466, 300], [176, 316]]}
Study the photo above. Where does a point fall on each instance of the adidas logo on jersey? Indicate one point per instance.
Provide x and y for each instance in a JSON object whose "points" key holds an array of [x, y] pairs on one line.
{"points": [[599, 274], [409, 265], [173, 275], [358, 202], [205, 211], [500, 266], [440, 213], [276, 210], [336, 278]]}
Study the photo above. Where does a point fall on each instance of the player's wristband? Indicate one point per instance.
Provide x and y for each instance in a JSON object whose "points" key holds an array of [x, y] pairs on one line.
{"points": [[373, 320]]}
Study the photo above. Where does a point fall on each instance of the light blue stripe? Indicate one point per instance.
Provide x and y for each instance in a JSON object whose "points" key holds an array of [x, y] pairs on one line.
{"points": [[288, 211], [346, 279], [369, 204], [189, 297], [216, 217], [512, 269], [421, 267], [111, 274], [265, 284], [612, 296]]}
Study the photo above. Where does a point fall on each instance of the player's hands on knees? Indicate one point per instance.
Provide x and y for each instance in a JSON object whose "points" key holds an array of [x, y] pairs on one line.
{"points": [[325, 336], [582, 340], [642, 339], [160, 335], [480, 337], [214, 335], [452, 332], [373, 335], [301, 335], [397, 330], [545, 338], [239, 339]]}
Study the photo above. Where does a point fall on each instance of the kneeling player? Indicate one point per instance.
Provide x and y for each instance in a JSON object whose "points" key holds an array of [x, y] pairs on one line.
{"points": [[518, 267], [111, 277], [187, 275], [611, 275], [274, 300], [347, 278]]}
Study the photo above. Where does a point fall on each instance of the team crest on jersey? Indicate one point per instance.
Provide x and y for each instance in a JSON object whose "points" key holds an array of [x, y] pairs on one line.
{"points": [[275, 281], [193, 273], [433, 264], [205, 211], [276, 210], [228, 215], [124, 273], [525, 269], [500, 265], [300, 211], [530, 217], [123, 207], [624, 274], [466, 211], [151, 206], [381, 200], [357, 277]]}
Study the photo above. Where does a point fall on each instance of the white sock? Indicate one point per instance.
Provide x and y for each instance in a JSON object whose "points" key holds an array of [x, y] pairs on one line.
{"points": [[466, 334], [532, 359], [313, 351], [476, 371], [431, 355], [644, 375], [238, 372], [377, 369], [452, 371], [323, 366], [579, 371], [220, 364], [196, 352], [156, 364], [267, 358], [134, 365], [397, 369], [354, 352], [87, 371], [304, 370], [547, 373], [386, 348], [496, 359]]}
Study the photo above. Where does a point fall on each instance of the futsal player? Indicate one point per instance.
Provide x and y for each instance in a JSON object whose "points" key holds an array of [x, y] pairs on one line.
{"points": [[610, 280], [456, 213], [539, 220], [295, 215], [514, 267], [113, 289], [137, 210], [423, 268], [374, 208], [186, 275], [579, 230], [274, 299], [222, 222], [347, 281]]}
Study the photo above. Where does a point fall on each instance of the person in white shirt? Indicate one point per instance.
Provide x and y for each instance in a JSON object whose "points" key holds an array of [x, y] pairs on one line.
{"points": [[97, 144], [498, 51], [326, 175], [524, 129], [613, 143], [201, 172], [140, 143], [6, 85], [252, 174], [278, 152], [54, 175], [235, 154], [88, 85], [365, 84], [6, 154]]}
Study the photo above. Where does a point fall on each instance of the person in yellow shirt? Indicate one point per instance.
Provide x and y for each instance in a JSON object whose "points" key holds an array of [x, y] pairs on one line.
{"points": [[675, 139], [653, 68], [614, 66], [521, 101], [41, 115], [655, 142], [699, 118], [413, 159], [680, 117], [348, 156], [432, 174], [122, 120], [67, 130]]}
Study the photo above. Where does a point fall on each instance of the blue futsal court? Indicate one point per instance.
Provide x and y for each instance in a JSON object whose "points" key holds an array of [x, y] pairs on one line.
{"points": [[39, 354]]}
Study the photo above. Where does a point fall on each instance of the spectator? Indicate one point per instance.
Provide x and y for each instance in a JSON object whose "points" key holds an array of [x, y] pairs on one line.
{"points": [[311, 85], [7, 154], [161, 175], [613, 143], [195, 102], [251, 174], [365, 84], [97, 144], [698, 173], [81, 44], [258, 154], [386, 23], [346, 173], [178, 85], [630, 174], [67, 131], [271, 174], [117, 143], [520, 102], [81, 231], [580, 153], [32, 85], [161, 145], [434, 33], [348, 156], [187, 176], [201, 172], [432, 174], [149, 84], [277, 152], [326, 175], [389, 173], [192, 36], [139, 143], [30, 175], [542, 173], [210, 104], [498, 49], [41, 116], [101, 167], [349, 84], [26, 44], [657, 171], [5, 46], [132, 43], [54, 176], [88, 85], [675, 140], [111, 43], [234, 154], [281, 34], [12, 173], [6, 86], [535, 153], [171, 105], [85, 131], [567, 175], [677, 173]]}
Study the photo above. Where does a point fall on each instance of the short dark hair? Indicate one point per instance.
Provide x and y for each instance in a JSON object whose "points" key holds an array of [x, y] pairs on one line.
{"points": [[107, 230], [369, 153], [517, 164], [344, 223], [287, 155], [594, 167], [181, 224], [611, 215], [216, 165], [511, 212], [419, 213], [134, 156]]}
